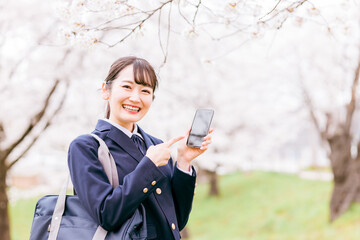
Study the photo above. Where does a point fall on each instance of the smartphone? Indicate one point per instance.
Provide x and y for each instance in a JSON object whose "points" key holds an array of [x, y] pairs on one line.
{"points": [[200, 127]]}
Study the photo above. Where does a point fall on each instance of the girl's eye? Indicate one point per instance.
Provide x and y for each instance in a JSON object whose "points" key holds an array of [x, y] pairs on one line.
{"points": [[126, 86], [146, 91]]}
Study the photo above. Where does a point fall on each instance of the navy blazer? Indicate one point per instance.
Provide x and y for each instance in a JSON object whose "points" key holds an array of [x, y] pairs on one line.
{"points": [[166, 192]]}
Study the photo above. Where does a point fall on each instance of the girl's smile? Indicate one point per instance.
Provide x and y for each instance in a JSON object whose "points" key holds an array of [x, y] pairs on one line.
{"points": [[131, 108]]}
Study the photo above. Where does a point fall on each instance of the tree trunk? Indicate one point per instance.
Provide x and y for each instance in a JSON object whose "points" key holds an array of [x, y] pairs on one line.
{"points": [[213, 180], [346, 174], [4, 214]]}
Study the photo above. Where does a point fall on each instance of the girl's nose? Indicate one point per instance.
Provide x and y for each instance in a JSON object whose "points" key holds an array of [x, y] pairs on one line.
{"points": [[135, 96]]}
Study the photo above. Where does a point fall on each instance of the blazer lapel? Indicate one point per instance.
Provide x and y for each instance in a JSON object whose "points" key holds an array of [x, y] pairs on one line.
{"points": [[120, 138]]}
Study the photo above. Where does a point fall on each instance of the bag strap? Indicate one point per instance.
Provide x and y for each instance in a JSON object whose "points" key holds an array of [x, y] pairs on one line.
{"points": [[58, 212], [107, 161], [109, 166]]}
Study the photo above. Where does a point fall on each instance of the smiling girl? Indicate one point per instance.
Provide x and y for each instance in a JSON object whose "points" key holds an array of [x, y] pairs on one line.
{"points": [[147, 173]]}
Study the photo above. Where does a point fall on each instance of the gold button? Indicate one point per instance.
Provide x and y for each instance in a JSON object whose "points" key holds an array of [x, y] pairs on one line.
{"points": [[145, 190], [173, 226], [153, 183], [158, 191]]}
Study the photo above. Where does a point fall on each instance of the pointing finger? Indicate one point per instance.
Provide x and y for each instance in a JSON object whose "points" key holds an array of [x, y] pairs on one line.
{"points": [[172, 141]]}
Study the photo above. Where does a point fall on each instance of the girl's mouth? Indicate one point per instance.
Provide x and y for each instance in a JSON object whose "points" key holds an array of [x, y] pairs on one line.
{"points": [[131, 108]]}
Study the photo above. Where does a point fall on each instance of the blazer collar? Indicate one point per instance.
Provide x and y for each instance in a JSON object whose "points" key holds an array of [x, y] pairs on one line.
{"points": [[146, 137], [122, 140], [103, 125]]}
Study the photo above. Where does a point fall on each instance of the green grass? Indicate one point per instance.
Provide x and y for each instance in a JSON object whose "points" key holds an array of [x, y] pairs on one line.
{"points": [[21, 215], [266, 206], [255, 206]]}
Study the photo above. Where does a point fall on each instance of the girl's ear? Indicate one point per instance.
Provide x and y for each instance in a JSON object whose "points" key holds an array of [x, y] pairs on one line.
{"points": [[105, 92]]}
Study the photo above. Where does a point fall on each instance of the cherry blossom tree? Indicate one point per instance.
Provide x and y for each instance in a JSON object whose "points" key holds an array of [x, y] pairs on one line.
{"points": [[41, 58], [34, 85], [326, 67]]}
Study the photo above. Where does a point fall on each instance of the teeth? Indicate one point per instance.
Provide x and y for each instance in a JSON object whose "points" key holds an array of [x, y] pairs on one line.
{"points": [[131, 108]]}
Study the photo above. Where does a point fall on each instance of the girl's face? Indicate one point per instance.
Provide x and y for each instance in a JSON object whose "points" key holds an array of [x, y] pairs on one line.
{"points": [[129, 101]]}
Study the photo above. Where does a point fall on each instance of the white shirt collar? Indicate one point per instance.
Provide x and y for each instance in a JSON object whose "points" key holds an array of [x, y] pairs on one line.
{"points": [[124, 130]]}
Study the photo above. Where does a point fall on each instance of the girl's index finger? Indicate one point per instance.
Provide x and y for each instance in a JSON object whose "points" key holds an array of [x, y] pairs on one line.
{"points": [[173, 140]]}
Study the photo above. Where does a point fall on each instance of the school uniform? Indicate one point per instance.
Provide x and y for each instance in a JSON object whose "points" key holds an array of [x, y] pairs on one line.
{"points": [[166, 192]]}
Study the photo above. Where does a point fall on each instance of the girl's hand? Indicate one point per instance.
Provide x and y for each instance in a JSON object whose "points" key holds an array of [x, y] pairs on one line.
{"points": [[187, 154], [160, 154]]}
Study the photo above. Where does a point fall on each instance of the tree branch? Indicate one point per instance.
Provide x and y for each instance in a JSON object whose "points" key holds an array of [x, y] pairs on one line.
{"points": [[124, 27], [2, 132], [239, 29], [290, 8], [196, 12], [33, 122], [182, 15], [35, 119], [47, 124], [131, 14], [323, 134], [350, 108], [165, 51], [310, 107], [138, 24], [277, 4]]}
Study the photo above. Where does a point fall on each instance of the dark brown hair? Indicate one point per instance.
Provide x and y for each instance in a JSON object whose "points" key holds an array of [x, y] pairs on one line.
{"points": [[144, 74]]}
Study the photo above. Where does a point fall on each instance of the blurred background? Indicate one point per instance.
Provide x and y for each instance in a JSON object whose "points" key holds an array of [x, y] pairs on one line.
{"points": [[281, 75]]}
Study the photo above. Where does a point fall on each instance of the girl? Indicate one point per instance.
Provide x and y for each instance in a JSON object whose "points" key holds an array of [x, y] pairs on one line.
{"points": [[146, 171]]}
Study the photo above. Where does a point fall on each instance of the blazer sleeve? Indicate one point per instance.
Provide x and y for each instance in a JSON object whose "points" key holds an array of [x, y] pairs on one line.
{"points": [[183, 187], [109, 206]]}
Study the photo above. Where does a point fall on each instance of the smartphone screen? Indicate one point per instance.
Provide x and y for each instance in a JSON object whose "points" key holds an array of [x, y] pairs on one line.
{"points": [[200, 127]]}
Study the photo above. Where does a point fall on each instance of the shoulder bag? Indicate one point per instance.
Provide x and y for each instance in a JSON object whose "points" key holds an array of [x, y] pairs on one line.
{"points": [[63, 217]]}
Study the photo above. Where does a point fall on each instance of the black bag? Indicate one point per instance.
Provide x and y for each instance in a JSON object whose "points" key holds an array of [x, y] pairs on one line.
{"points": [[63, 217]]}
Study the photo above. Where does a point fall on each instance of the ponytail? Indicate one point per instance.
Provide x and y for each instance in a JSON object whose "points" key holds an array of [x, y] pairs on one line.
{"points": [[107, 111]]}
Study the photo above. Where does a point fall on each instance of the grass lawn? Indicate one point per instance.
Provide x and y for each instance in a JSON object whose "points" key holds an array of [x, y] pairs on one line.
{"points": [[21, 215], [269, 206], [253, 206]]}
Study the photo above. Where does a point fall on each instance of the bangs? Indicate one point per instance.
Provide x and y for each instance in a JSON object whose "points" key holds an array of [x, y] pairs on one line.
{"points": [[144, 74]]}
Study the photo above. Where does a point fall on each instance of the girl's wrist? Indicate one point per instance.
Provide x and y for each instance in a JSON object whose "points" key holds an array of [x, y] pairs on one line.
{"points": [[183, 165]]}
